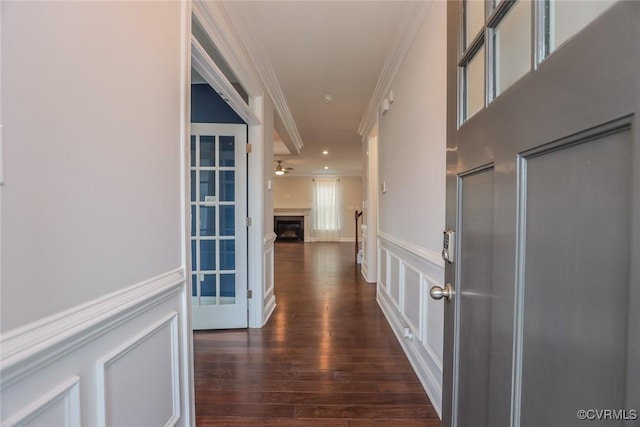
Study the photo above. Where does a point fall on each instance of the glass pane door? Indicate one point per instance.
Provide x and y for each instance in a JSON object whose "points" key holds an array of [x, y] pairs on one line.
{"points": [[218, 235]]}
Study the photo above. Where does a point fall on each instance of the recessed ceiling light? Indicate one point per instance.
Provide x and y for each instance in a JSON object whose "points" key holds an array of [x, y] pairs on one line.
{"points": [[325, 152], [326, 167], [328, 98]]}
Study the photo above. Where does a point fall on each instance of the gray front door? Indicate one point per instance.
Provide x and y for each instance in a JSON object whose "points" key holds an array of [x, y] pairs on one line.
{"points": [[543, 190]]}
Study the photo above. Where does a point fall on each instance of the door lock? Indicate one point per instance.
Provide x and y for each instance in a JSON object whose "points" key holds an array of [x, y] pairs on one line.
{"points": [[437, 292], [448, 245]]}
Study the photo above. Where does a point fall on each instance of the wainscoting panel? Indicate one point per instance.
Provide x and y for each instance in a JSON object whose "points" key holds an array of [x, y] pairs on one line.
{"points": [[125, 376], [122, 359], [406, 272], [269, 297], [59, 407]]}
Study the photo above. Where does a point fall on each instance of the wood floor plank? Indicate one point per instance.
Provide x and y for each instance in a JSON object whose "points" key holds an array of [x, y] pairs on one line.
{"points": [[327, 356], [383, 412]]}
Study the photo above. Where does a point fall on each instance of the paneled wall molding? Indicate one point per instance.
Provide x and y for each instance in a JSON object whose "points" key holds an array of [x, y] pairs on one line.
{"points": [[66, 394], [428, 370], [40, 343], [405, 274], [268, 294], [425, 254], [169, 321], [412, 21]]}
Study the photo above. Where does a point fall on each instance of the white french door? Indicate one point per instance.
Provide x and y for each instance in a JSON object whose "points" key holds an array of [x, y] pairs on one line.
{"points": [[218, 182]]}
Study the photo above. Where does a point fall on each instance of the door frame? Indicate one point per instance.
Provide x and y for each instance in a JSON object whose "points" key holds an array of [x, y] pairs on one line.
{"points": [[218, 27]]}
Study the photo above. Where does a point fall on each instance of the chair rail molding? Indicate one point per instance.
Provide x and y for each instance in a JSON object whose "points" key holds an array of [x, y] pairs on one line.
{"points": [[40, 343]]}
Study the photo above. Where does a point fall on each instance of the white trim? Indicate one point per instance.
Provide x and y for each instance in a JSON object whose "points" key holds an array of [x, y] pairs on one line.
{"points": [[400, 46], [103, 363], [428, 255], [69, 389], [216, 22], [186, 343], [40, 343], [425, 375], [269, 238], [209, 70], [347, 240], [269, 308], [429, 267], [257, 53]]}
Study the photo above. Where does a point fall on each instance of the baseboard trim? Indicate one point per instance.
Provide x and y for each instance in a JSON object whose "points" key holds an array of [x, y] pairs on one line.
{"points": [[40, 343]]}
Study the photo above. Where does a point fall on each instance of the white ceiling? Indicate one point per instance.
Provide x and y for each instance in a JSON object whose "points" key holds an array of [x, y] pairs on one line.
{"points": [[319, 48]]}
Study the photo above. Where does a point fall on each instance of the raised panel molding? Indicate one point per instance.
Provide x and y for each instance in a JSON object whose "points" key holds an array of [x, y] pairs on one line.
{"points": [[42, 342], [269, 297], [107, 365], [65, 395], [403, 266], [60, 353]]}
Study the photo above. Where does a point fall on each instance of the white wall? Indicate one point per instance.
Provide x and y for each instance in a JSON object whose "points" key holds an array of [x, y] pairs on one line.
{"points": [[292, 192], [93, 292], [91, 109], [412, 148]]}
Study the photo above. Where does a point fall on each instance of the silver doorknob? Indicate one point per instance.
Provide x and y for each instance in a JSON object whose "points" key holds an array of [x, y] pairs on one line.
{"points": [[437, 292]]}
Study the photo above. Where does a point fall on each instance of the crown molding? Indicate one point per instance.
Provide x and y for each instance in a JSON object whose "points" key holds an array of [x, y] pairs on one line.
{"points": [[412, 21], [257, 53]]}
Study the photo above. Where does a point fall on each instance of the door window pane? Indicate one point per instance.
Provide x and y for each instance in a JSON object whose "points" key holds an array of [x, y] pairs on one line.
{"points": [[208, 285], [193, 186], [227, 151], [193, 150], [193, 220], [207, 184], [512, 46], [207, 255], [207, 151], [194, 285], [227, 220], [194, 257], [474, 19], [207, 221], [474, 84], [228, 288], [569, 17], [227, 186], [227, 254]]}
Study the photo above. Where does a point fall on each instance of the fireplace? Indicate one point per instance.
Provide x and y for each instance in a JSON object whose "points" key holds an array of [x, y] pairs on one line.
{"points": [[289, 228]]}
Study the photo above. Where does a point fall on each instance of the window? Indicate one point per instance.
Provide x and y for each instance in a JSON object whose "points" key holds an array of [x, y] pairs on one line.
{"points": [[326, 209], [498, 47]]}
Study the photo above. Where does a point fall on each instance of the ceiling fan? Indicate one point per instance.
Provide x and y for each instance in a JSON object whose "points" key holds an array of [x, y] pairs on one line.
{"points": [[281, 170]]}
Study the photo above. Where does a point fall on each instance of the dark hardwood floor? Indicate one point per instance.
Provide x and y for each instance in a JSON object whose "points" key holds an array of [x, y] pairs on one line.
{"points": [[327, 357]]}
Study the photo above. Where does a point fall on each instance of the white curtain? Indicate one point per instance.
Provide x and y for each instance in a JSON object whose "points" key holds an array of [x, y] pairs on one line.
{"points": [[326, 209]]}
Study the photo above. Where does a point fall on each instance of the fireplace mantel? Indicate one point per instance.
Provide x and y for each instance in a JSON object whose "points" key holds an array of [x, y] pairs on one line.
{"points": [[305, 212]]}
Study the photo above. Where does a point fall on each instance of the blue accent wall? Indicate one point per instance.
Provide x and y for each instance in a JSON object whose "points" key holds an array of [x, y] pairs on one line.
{"points": [[208, 107]]}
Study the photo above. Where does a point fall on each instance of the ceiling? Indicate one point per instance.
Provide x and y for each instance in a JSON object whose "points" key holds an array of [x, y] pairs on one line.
{"points": [[319, 48]]}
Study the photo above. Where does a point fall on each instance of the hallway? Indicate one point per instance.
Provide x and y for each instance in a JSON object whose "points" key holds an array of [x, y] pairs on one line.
{"points": [[327, 356]]}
